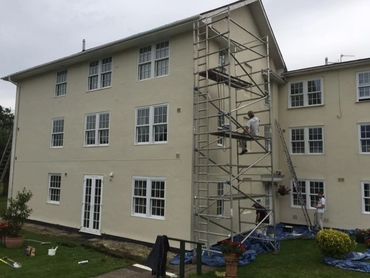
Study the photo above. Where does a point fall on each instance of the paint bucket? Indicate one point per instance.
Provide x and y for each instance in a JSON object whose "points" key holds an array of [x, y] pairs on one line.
{"points": [[52, 251]]}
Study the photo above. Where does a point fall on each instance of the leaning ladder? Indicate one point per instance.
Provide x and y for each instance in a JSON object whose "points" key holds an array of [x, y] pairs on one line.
{"points": [[5, 158], [294, 176]]}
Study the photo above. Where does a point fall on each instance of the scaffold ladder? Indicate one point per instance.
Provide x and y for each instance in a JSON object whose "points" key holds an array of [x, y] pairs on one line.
{"points": [[293, 173], [5, 157]]}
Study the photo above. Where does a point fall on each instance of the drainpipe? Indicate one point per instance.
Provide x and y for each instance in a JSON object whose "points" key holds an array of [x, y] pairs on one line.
{"points": [[15, 129]]}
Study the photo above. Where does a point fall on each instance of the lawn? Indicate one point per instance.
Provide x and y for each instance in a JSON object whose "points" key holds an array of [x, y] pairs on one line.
{"points": [[297, 259], [64, 264]]}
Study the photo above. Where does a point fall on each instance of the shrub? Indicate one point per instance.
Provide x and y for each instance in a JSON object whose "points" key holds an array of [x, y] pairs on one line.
{"points": [[335, 244], [17, 212], [362, 235], [367, 243]]}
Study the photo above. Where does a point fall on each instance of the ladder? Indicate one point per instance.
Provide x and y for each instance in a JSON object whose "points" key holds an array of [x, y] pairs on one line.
{"points": [[5, 158], [297, 188]]}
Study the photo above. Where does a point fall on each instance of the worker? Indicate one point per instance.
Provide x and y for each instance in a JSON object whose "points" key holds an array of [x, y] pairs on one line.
{"points": [[261, 212], [320, 209], [251, 128]]}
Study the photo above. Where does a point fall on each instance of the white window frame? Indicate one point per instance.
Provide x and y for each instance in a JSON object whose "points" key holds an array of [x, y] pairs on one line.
{"points": [[97, 129], [307, 193], [307, 141], [58, 189], [61, 83], [153, 61], [221, 123], [56, 133], [358, 86], [363, 196], [220, 204], [100, 73], [305, 93], [151, 124], [360, 138], [148, 197]]}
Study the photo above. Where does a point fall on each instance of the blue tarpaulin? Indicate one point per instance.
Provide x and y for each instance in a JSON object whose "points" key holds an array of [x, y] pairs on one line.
{"points": [[355, 261], [258, 243]]}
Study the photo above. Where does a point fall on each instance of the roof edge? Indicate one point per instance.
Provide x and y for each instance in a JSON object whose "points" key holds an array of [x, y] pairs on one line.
{"points": [[332, 66], [13, 77]]}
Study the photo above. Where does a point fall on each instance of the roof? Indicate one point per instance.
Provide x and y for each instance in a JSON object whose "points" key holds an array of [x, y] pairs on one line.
{"points": [[329, 67], [176, 27]]}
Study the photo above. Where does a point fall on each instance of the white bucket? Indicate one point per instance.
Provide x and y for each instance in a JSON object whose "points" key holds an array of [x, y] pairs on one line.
{"points": [[52, 251]]}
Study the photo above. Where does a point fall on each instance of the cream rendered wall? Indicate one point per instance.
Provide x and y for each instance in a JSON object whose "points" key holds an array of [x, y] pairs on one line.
{"points": [[35, 158], [339, 116]]}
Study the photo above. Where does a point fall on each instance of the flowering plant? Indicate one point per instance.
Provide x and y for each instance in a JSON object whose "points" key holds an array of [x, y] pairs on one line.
{"points": [[367, 243], [334, 243], [283, 190], [232, 247], [362, 235]]}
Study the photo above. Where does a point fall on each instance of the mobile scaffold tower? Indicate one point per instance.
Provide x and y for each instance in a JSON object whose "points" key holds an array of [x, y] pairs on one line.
{"points": [[231, 77]]}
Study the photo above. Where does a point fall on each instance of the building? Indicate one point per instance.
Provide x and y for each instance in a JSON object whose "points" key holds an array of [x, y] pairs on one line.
{"points": [[139, 137]]}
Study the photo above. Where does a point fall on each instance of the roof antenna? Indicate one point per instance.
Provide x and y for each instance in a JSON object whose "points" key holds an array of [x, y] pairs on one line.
{"points": [[343, 55], [83, 45]]}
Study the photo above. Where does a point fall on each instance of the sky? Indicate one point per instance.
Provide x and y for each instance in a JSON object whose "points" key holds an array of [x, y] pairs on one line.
{"points": [[33, 32]]}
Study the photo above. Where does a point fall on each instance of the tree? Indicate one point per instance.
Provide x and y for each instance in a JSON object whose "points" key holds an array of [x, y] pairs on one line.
{"points": [[6, 125]]}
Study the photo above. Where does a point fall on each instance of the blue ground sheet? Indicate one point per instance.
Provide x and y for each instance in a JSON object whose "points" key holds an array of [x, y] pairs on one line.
{"points": [[355, 261], [259, 243]]}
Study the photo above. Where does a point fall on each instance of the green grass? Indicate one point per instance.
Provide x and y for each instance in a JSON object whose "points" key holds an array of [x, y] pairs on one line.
{"points": [[64, 264], [297, 259]]}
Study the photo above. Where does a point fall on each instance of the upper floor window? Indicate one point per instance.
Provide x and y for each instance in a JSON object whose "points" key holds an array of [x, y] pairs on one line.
{"points": [[97, 129], [364, 132], [310, 190], [54, 188], [220, 206], [57, 134], [149, 197], [100, 74], [61, 84], [365, 188], [307, 140], [151, 124], [305, 93], [154, 60], [363, 86]]}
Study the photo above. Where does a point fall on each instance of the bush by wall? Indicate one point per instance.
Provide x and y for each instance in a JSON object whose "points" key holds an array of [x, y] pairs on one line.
{"points": [[334, 243]]}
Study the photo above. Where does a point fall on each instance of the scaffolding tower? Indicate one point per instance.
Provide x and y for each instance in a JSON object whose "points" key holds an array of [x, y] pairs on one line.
{"points": [[231, 77]]}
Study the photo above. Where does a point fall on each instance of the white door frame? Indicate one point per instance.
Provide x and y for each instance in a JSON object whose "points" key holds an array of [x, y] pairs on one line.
{"points": [[90, 229]]}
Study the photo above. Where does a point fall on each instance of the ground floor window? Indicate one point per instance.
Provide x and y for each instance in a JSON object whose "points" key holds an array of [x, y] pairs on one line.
{"points": [[149, 197], [310, 190], [54, 188], [365, 197]]}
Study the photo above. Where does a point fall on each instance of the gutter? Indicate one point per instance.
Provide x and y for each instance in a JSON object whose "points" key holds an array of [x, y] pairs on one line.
{"points": [[15, 132]]}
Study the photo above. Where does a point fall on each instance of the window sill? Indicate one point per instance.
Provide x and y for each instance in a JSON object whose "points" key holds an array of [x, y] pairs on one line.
{"points": [[367, 153], [61, 96], [95, 146], [98, 89], [305, 106], [152, 78], [309, 154], [148, 217], [53, 203], [61, 147], [365, 100], [150, 143]]}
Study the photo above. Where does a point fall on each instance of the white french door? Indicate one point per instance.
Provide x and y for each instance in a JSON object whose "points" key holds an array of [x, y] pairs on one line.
{"points": [[92, 204]]}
